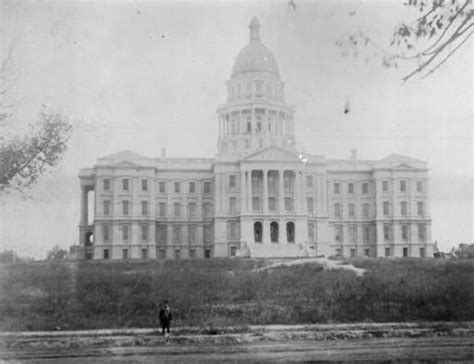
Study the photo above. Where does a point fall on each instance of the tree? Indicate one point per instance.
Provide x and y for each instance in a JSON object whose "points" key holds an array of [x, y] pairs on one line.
{"points": [[431, 39], [56, 253], [24, 158]]}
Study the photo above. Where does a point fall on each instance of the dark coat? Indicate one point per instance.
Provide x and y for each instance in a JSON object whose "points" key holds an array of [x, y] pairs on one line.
{"points": [[165, 316]]}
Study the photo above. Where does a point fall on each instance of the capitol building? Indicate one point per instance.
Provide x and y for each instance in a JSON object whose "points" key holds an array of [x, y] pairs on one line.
{"points": [[259, 197]]}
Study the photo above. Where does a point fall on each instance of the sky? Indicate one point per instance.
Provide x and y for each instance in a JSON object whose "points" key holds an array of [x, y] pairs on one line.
{"points": [[149, 75]]}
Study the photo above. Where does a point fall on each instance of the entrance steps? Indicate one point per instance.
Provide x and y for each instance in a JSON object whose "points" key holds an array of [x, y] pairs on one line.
{"points": [[277, 250]]}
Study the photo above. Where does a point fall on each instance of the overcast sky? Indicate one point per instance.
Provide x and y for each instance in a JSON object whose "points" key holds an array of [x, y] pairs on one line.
{"points": [[149, 75]]}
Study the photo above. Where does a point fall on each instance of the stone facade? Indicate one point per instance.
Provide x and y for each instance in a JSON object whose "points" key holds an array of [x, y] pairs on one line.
{"points": [[258, 197]]}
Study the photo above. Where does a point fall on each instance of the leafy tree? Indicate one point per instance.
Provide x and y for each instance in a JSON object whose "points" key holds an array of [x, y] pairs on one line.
{"points": [[23, 158], [56, 253], [8, 256], [431, 39]]}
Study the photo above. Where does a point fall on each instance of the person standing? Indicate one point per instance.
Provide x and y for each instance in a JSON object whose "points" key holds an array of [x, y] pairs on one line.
{"points": [[165, 317]]}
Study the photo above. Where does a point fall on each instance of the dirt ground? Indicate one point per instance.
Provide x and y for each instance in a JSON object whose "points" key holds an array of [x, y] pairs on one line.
{"points": [[412, 343]]}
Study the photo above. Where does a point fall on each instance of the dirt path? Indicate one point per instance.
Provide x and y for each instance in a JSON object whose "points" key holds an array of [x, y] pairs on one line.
{"points": [[364, 342], [325, 262], [433, 350]]}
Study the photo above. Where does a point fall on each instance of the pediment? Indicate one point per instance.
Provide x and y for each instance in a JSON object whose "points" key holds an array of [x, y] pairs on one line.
{"points": [[403, 166], [125, 164], [273, 154]]}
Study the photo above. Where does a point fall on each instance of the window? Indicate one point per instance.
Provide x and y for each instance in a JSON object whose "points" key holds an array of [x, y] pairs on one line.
{"points": [[125, 208], [385, 208], [192, 234], [232, 230], [419, 186], [255, 203], [403, 186], [405, 252], [249, 126], [367, 252], [144, 232], [336, 187], [162, 234], [338, 252], [192, 253], [311, 228], [353, 253], [403, 208], [106, 253], [232, 181], [162, 208], [385, 186], [144, 253], [350, 187], [207, 187], [310, 203], [421, 232], [422, 253], [125, 233], [309, 181], [192, 209], [288, 204], [274, 232], [105, 233], [144, 185], [106, 208], [207, 234], [365, 209], [404, 232], [177, 187], [125, 184], [272, 203], [420, 208], [365, 188], [162, 186], [106, 184], [207, 207], [207, 253], [386, 232], [176, 234], [257, 231], [192, 187], [290, 232], [177, 209], [125, 253], [337, 210], [232, 205], [177, 254], [144, 208], [351, 210], [353, 234], [233, 251], [338, 233], [366, 232], [387, 252], [162, 254]]}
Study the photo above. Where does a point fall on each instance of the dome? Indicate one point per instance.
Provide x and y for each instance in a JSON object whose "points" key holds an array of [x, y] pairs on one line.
{"points": [[255, 56]]}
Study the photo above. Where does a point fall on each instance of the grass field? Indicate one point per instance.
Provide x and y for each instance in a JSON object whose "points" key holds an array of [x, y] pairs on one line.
{"points": [[224, 292]]}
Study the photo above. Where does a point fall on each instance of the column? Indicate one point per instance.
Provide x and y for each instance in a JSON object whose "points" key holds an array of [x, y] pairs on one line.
{"points": [[217, 188], [265, 191], [281, 191], [243, 197], [84, 206], [249, 190], [219, 123], [296, 193]]}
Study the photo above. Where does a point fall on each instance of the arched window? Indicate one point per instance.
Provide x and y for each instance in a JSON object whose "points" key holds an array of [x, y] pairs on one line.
{"points": [[89, 238], [274, 232], [290, 232], [257, 232]]}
